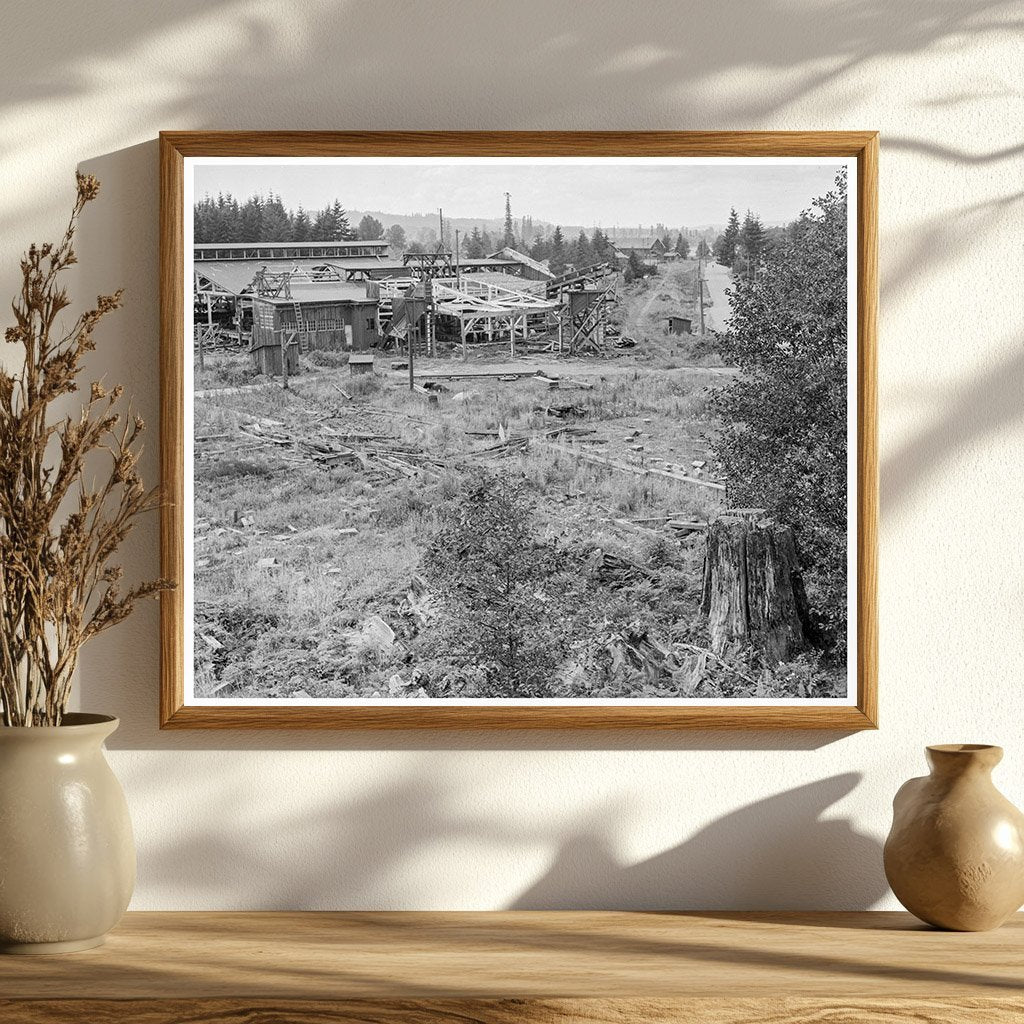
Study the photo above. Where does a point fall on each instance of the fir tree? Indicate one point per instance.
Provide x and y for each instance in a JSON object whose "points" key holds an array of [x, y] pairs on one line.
{"points": [[342, 229], [275, 224], [301, 226], [556, 256], [728, 240], [475, 244], [753, 240], [580, 256], [251, 219], [509, 238]]}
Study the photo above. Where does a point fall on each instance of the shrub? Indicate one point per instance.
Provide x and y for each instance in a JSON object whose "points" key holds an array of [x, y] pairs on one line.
{"points": [[508, 599]]}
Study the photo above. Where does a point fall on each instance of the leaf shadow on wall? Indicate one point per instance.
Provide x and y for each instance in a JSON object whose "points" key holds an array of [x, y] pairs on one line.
{"points": [[231, 63], [382, 848], [777, 853]]}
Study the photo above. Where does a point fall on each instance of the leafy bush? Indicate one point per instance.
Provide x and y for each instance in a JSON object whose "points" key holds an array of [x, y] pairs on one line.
{"points": [[787, 449]]}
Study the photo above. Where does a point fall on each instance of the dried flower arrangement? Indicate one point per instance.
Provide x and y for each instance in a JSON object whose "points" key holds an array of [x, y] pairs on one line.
{"points": [[58, 533]]}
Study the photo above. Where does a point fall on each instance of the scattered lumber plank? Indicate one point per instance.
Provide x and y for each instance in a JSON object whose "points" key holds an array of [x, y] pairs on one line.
{"points": [[471, 375], [633, 528], [624, 467]]}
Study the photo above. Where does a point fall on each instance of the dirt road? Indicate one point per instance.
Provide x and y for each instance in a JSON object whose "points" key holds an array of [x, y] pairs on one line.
{"points": [[718, 278]]}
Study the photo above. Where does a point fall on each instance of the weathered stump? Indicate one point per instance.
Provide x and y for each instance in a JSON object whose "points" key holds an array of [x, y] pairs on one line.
{"points": [[753, 592]]}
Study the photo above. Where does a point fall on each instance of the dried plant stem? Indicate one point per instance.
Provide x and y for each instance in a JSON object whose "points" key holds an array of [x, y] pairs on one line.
{"points": [[58, 586]]}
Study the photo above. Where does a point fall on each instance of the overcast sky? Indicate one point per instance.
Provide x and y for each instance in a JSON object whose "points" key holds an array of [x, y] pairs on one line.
{"points": [[642, 192]]}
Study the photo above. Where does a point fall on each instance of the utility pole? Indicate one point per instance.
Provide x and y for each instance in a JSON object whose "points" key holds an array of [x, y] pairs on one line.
{"points": [[458, 281], [440, 228], [700, 290], [408, 325]]}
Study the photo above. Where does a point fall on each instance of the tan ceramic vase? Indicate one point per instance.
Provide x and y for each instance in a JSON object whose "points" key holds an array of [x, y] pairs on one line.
{"points": [[67, 857], [955, 855]]}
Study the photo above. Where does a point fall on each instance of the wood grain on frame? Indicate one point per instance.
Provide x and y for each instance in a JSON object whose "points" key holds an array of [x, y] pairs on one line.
{"points": [[175, 146]]}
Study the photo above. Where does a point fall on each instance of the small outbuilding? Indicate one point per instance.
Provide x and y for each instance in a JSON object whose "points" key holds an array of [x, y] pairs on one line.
{"points": [[680, 325], [360, 362]]}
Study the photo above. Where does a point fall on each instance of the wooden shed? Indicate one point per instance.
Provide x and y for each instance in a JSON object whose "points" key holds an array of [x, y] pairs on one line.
{"points": [[334, 315], [680, 325], [360, 362]]}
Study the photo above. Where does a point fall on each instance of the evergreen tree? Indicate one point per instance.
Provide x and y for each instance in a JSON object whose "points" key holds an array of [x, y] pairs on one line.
{"points": [[275, 224], [682, 246], [231, 215], [635, 267], [727, 242], [703, 249], [556, 255], [580, 254], [753, 240], [302, 226], [251, 219], [342, 229], [600, 246], [323, 226], [475, 244], [509, 238], [539, 247], [510, 598], [487, 242]]}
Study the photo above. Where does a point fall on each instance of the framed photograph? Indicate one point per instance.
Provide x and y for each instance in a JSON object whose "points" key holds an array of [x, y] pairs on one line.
{"points": [[519, 430]]}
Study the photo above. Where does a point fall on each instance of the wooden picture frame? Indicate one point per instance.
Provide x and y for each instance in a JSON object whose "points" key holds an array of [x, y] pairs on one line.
{"points": [[175, 147]]}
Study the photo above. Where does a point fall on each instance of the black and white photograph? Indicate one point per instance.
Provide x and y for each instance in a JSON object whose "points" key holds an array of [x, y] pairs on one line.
{"points": [[520, 430]]}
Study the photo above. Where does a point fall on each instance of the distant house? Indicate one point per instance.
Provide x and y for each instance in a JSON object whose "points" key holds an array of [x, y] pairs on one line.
{"points": [[650, 250], [532, 269], [680, 325]]}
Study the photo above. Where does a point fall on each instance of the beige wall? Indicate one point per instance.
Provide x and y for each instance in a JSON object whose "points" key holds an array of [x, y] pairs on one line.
{"points": [[749, 820]]}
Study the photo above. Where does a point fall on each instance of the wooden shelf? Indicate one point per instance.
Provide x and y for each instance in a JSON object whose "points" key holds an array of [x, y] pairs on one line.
{"points": [[415, 968]]}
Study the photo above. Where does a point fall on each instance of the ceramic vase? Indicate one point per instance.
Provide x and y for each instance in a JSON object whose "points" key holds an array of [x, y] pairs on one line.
{"points": [[67, 855], [955, 855]]}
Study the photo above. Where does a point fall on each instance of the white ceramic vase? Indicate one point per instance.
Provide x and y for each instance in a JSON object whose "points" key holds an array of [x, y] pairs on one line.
{"points": [[67, 855]]}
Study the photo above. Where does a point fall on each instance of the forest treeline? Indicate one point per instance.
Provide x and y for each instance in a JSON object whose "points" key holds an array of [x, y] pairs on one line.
{"points": [[223, 218]]}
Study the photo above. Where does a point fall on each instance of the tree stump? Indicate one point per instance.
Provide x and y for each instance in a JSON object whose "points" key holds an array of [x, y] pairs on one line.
{"points": [[753, 591]]}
